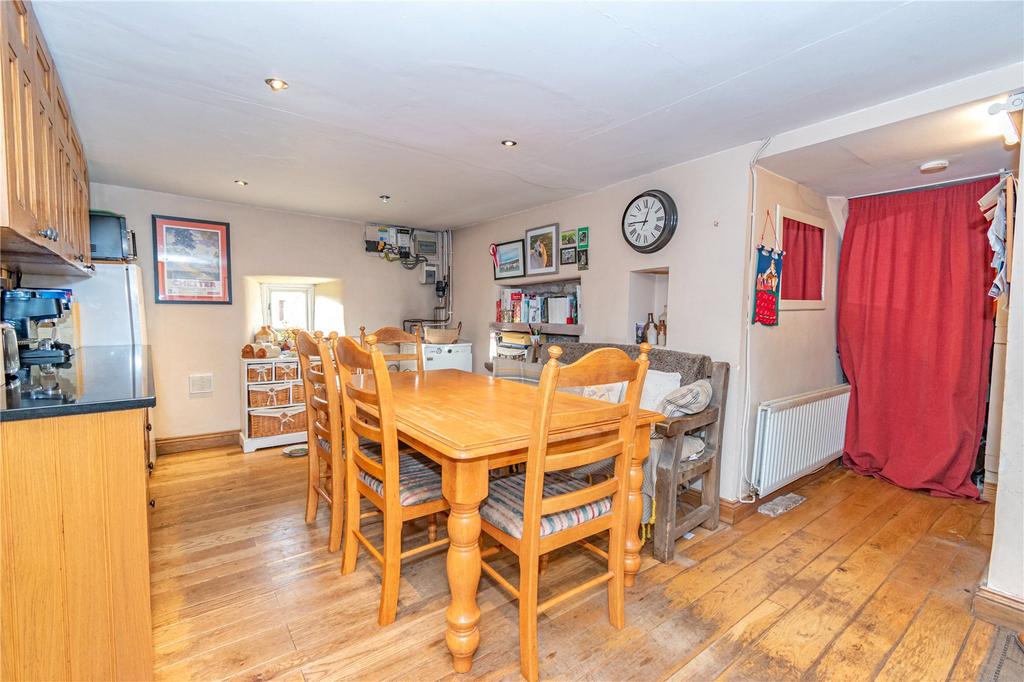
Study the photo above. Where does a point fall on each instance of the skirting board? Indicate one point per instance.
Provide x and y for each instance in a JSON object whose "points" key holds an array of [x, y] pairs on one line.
{"points": [[998, 608], [733, 511], [988, 492], [167, 446]]}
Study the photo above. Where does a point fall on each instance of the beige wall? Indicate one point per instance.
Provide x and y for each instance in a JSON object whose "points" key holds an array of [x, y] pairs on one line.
{"points": [[207, 338], [706, 258], [800, 353]]}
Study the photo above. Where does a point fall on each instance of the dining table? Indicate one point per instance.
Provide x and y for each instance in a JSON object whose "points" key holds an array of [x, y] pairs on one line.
{"points": [[471, 424]]}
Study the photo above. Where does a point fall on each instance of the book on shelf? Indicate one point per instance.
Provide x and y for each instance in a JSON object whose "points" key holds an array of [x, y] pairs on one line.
{"points": [[519, 307]]}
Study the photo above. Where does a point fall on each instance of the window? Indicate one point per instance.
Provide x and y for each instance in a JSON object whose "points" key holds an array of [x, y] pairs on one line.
{"points": [[288, 306]]}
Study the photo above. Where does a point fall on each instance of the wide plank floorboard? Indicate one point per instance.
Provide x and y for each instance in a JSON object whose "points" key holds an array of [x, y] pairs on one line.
{"points": [[863, 580]]}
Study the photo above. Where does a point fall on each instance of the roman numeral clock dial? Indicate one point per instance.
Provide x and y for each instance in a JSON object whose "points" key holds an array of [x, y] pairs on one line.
{"points": [[649, 221]]}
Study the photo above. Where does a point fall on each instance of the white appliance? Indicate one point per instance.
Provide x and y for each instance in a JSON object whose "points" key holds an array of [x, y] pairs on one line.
{"points": [[440, 356], [110, 305]]}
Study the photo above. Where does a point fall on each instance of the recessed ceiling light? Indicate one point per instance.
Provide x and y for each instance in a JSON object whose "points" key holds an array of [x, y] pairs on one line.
{"points": [[385, 198], [934, 166], [508, 143], [241, 183], [276, 84]]}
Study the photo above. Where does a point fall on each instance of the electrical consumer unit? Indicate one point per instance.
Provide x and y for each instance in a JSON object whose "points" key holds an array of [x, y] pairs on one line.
{"points": [[428, 273], [425, 245]]}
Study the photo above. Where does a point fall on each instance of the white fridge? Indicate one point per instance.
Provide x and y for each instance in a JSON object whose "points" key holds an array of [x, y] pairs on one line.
{"points": [[111, 309]]}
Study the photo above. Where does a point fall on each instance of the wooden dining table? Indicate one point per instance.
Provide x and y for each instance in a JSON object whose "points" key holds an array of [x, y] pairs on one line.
{"points": [[471, 424]]}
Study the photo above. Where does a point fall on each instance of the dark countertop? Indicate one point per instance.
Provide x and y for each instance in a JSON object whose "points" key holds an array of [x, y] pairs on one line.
{"points": [[97, 379]]}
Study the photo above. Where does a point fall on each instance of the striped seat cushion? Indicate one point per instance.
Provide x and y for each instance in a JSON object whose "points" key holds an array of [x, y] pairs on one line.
{"points": [[504, 505], [419, 478]]}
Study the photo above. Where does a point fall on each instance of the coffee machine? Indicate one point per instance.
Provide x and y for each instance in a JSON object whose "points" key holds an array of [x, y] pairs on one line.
{"points": [[40, 357], [26, 310]]}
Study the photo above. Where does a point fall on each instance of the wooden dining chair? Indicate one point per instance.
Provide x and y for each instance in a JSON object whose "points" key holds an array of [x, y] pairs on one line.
{"points": [[393, 336], [324, 430], [403, 485], [546, 507]]}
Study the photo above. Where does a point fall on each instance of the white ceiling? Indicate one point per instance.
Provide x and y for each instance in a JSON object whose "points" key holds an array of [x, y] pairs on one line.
{"points": [[889, 157], [411, 99]]}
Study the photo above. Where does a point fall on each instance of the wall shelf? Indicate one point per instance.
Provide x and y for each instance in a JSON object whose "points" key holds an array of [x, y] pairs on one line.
{"points": [[540, 327]]}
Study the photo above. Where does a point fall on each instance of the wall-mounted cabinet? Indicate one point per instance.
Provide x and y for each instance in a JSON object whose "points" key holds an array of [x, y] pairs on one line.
{"points": [[44, 202]]}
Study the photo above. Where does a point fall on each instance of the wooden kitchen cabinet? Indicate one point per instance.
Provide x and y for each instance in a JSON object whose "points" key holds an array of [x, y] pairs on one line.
{"points": [[44, 202], [74, 569]]}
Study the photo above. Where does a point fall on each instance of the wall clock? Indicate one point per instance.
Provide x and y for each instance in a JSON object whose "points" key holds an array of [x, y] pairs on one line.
{"points": [[649, 221]]}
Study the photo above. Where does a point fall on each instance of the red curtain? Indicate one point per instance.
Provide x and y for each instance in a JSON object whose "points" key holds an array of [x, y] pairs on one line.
{"points": [[915, 336], [801, 272]]}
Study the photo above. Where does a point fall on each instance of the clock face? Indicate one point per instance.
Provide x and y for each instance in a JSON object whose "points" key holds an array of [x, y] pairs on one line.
{"points": [[649, 221]]}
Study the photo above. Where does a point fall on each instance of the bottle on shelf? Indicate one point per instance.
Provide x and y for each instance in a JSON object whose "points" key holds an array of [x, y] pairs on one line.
{"points": [[651, 330], [663, 327]]}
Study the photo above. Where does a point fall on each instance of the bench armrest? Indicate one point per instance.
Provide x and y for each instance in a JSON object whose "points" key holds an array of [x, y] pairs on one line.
{"points": [[674, 426]]}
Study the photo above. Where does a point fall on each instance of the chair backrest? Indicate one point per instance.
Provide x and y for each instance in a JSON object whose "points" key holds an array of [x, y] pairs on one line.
{"points": [[320, 387], [356, 367], [393, 336], [602, 366]]}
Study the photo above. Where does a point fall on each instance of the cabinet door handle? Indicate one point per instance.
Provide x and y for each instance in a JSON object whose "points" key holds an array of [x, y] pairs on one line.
{"points": [[152, 503]]}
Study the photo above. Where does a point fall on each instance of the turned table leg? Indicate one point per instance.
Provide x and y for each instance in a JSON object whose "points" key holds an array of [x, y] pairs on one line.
{"points": [[635, 505], [464, 485]]}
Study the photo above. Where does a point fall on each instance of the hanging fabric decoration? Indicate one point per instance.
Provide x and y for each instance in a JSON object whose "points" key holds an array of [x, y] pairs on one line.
{"points": [[768, 279]]}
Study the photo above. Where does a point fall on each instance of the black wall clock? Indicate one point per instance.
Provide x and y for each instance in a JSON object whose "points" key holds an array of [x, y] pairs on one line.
{"points": [[649, 221]]}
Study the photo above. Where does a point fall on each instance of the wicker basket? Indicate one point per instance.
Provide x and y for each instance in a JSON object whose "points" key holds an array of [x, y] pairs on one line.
{"points": [[269, 395], [263, 423], [286, 371], [441, 334], [298, 392], [259, 371]]}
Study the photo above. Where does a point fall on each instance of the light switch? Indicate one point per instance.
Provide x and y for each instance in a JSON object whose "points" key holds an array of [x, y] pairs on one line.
{"points": [[200, 383]]}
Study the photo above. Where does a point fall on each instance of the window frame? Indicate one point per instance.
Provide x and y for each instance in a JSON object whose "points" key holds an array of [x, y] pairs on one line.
{"points": [[266, 291]]}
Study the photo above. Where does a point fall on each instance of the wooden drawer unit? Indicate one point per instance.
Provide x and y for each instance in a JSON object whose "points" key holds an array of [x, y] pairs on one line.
{"points": [[74, 571]]}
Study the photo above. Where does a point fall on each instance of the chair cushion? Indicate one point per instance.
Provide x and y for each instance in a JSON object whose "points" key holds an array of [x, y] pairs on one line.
{"points": [[503, 507], [419, 478]]}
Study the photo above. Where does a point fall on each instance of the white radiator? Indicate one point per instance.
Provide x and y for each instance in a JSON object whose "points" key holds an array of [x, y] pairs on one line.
{"points": [[797, 435]]}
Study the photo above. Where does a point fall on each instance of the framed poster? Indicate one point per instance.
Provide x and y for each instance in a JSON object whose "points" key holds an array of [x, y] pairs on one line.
{"points": [[509, 260], [567, 255], [541, 247], [191, 260]]}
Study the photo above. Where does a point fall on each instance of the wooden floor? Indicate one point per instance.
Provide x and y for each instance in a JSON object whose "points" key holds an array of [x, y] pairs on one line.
{"points": [[864, 580]]}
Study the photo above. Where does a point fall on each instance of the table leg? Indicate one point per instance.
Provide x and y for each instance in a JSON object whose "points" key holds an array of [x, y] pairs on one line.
{"points": [[464, 485], [635, 505]]}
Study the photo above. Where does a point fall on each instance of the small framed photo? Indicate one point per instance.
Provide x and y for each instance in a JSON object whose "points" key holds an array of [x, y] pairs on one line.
{"points": [[569, 239], [541, 246], [567, 255], [191, 260], [509, 260], [582, 259], [583, 237]]}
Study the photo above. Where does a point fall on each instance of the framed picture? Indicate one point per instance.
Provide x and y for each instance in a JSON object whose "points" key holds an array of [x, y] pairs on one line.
{"points": [[583, 237], [569, 238], [582, 259], [509, 260], [541, 245], [567, 255], [191, 260]]}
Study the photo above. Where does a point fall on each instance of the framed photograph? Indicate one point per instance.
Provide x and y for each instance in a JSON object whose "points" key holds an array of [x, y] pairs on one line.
{"points": [[567, 255], [582, 259], [191, 260], [569, 238], [583, 237], [541, 246], [509, 260]]}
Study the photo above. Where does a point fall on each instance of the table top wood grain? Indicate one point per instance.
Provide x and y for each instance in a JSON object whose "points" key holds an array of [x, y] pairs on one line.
{"points": [[467, 416]]}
